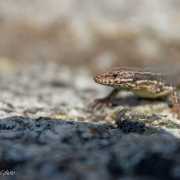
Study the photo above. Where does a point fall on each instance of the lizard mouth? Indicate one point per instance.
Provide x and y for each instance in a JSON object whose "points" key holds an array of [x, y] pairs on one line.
{"points": [[98, 79]]}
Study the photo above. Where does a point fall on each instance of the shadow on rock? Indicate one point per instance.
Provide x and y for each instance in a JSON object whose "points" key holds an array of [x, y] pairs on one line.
{"points": [[133, 101]]}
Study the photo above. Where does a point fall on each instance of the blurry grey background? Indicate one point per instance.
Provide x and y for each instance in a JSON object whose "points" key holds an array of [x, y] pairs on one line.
{"points": [[97, 34]]}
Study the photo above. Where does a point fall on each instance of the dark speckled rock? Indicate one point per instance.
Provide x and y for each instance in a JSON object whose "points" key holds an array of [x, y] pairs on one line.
{"points": [[56, 149]]}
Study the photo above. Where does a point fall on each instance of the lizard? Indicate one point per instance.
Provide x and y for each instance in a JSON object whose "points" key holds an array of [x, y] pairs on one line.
{"points": [[144, 84]]}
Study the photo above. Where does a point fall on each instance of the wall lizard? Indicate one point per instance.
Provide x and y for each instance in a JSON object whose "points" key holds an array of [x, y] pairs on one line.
{"points": [[145, 84]]}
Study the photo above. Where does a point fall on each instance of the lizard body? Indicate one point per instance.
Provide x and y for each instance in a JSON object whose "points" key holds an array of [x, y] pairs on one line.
{"points": [[144, 84]]}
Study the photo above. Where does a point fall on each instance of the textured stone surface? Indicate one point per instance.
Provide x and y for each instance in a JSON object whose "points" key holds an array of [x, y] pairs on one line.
{"points": [[48, 131], [55, 149]]}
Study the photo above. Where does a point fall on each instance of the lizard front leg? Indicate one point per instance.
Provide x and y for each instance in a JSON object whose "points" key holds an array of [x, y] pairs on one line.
{"points": [[107, 101]]}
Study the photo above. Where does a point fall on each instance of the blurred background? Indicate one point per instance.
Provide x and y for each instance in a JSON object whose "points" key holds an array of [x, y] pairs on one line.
{"points": [[89, 33]]}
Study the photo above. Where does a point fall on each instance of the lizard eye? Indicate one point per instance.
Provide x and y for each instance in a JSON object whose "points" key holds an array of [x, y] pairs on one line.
{"points": [[115, 76]]}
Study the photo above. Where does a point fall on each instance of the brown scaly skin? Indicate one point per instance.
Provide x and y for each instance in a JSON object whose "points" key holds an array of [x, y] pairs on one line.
{"points": [[144, 84]]}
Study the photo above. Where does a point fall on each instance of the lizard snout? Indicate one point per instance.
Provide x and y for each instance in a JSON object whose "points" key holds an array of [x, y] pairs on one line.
{"points": [[98, 79], [103, 79]]}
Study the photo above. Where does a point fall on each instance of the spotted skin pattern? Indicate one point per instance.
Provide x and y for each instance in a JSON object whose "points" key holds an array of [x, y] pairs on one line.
{"points": [[144, 84]]}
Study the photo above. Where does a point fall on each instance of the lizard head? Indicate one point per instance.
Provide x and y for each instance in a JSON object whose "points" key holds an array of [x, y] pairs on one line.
{"points": [[114, 78]]}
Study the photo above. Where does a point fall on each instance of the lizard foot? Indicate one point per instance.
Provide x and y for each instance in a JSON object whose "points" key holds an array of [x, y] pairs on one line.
{"points": [[176, 110], [101, 103]]}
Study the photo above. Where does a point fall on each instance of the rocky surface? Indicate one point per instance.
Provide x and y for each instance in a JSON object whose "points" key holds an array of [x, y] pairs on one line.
{"points": [[48, 131], [47, 148]]}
